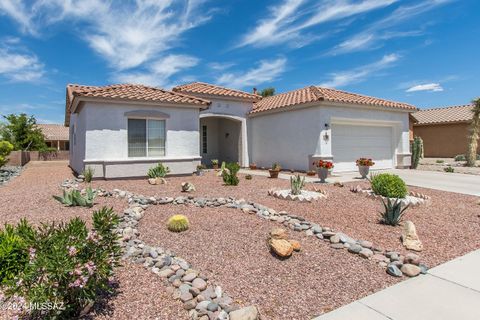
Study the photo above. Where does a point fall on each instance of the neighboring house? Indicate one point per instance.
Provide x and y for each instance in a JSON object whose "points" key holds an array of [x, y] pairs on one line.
{"points": [[56, 136], [444, 130], [122, 130]]}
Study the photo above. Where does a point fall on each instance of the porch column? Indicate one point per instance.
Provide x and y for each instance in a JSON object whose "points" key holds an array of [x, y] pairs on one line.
{"points": [[244, 161]]}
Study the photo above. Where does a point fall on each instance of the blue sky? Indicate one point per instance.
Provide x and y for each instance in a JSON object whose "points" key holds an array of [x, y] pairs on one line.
{"points": [[423, 52]]}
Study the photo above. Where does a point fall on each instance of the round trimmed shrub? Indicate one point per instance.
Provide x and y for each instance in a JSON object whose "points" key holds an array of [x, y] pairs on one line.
{"points": [[178, 223], [388, 185]]}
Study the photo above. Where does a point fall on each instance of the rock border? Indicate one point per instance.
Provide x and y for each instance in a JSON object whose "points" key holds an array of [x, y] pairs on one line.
{"points": [[305, 196], [413, 199], [8, 173]]}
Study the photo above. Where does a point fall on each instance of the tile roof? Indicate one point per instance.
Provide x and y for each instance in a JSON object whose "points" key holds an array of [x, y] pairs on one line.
{"points": [[54, 131], [210, 89], [444, 115], [133, 92], [316, 94]]}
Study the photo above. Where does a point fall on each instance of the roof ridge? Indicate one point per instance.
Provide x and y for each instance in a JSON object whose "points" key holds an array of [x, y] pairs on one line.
{"points": [[211, 85], [316, 92], [446, 107]]}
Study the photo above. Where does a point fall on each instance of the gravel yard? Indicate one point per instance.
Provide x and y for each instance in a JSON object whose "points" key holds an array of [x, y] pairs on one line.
{"points": [[230, 246]]}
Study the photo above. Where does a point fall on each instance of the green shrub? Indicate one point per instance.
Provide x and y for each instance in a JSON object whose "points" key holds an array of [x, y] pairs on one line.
{"points": [[461, 157], [439, 161], [248, 177], [388, 185], [393, 212], [13, 254], [88, 174], [230, 176], [449, 169], [159, 171], [74, 198], [66, 265], [296, 184], [178, 223], [5, 149], [215, 162]]}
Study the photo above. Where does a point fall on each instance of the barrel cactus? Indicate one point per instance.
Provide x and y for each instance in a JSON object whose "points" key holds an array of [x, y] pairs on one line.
{"points": [[178, 223]]}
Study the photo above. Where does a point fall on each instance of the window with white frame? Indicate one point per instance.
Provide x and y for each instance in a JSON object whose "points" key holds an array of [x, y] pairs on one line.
{"points": [[146, 138], [204, 139]]}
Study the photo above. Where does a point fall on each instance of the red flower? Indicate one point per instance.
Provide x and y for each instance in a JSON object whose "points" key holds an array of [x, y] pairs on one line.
{"points": [[323, 164], [365, 162]]}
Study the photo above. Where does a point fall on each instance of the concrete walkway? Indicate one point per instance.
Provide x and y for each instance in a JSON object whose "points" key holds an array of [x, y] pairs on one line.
{"points": [[449, 291], [452, 182]]}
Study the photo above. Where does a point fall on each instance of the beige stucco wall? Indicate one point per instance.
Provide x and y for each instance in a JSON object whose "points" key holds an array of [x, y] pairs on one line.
{"points": [[443, 140]]}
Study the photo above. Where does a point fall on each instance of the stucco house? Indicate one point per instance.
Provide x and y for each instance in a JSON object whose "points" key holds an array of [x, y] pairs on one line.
{"points": [[56, 136], [122, 130], [444, 130]]}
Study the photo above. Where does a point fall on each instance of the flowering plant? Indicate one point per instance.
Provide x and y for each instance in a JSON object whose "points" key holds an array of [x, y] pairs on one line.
{"points": [[323, 164], [65, 264], [367, 162]]}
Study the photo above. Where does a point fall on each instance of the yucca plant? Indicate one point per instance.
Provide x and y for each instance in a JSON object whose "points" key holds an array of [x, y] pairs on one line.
{"points": [[393, 211], [159, 171], [178, 223], [88, 174], [74, 198], [297, 183]]}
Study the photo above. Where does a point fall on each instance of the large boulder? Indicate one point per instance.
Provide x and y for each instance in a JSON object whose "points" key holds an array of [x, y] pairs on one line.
{"points": [[247, 313], [278, 233], [283, 248], [410, 238]]}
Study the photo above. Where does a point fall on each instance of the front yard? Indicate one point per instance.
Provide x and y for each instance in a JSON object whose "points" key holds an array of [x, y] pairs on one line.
{"points": [[227, 245]]}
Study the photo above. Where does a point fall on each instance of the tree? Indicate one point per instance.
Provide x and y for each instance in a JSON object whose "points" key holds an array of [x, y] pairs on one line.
{"points": [[5, 149], [474, 134], [22, 132], [267, 92]]}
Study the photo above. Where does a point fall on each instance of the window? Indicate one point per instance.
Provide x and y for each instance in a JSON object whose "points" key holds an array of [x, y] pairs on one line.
{"points": [[204, 139], [146, 138]]}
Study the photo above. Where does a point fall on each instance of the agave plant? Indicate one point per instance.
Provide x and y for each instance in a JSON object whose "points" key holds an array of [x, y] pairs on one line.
{"points": [[297, 183], [74, 198], [393, 211], [159, 171]]}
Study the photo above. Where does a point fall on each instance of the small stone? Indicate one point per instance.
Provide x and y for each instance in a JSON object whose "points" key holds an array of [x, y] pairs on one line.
{"points": [[366, 253], [335, 238], [355, 248], [186, 296], [188, 187], [394, 271], [202, 305], [316, 229], [319, 236], [199, 283], [296, 245], [328, 234], [412, 258], [247, 313], [366, 244], [423, 269], [212, 306], [337, 246], [189, 277], [189, 305], [279, 233], [309, 233], [283, 248], [166, 273], [410, 238], [411, 270]]}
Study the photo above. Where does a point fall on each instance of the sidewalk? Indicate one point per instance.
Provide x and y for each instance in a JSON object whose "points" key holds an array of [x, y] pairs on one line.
{"points": [[449, 291]]}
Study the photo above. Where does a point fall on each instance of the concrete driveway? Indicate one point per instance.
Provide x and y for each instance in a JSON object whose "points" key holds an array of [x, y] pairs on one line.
{"points": [[453, 182]]}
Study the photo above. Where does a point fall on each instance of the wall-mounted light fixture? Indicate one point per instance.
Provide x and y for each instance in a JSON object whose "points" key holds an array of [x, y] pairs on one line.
{"points": [[227, 135], [326, 137]]}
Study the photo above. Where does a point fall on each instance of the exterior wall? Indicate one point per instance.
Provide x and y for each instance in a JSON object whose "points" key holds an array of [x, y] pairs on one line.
{"points": [[77, 137], [229, 143], [212, 139], [229, 107], [443, 140], [104, 127], [295, 138]]}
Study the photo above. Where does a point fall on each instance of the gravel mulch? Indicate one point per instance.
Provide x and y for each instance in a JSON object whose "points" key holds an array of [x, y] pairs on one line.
{"points": [[230, 248]]}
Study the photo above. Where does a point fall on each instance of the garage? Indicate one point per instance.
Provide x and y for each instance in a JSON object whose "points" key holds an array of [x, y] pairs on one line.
{"points": [[350, 142]]}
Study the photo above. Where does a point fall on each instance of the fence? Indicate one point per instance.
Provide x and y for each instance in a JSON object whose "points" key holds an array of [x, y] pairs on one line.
{"points": [[21, 158]]}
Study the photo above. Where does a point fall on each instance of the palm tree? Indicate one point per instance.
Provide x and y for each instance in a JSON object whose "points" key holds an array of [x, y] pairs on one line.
{"points": [[474, 134]]}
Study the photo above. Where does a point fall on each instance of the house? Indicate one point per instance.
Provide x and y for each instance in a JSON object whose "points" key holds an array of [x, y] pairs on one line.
{"points": [[444, 131], [56, 136], [122, 130]]}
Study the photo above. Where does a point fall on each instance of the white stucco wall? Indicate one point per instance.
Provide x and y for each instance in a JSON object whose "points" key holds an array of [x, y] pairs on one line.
{"points": [[291, 137], [106, 138], [229, 107], [77, 133]]}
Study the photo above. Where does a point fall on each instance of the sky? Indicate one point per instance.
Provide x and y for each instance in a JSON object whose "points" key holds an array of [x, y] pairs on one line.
{"points": [[423, 52]]}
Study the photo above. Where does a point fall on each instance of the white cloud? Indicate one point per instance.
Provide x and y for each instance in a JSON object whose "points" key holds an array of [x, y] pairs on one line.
{"points": [[359, 74], [380, 30], [219, 66], [288, 20], [19, 66], [433, 87], [159, 72], [18, 12], [266, 71]]}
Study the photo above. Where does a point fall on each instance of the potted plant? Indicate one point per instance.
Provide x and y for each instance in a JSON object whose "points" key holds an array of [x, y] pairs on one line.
{"points": [[215, 163], [253, 166], [323, 167], [364, 165], [311, 173], [274, 170], [200, 169]]}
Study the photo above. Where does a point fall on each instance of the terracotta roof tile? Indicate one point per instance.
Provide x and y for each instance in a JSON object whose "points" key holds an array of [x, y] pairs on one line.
{"points": [[54, 131], [316, 94], [444, 115], [210, 89], [132, 92]]}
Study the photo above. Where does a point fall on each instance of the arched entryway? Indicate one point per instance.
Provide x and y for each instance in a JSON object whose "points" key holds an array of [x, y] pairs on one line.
{"points": [[223, 137]]}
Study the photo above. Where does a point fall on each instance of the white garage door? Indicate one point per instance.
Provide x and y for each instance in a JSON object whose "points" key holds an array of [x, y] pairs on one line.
{"points": [[350, 142]]}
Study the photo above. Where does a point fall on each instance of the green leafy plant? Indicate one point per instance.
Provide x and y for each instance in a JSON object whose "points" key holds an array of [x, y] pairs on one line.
{"points": [[449, 169], [178, 223], [88, 174], [215, 162], [461, 157], [13, 254], [388, 185], [439, 161], [22, 132], [297, 183], [248, 177], [201, 167], [159, 171], [230, 177], [74, 198], [66, 265], [276, 166], [5, 149], [417, 151], [393, 211]]}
